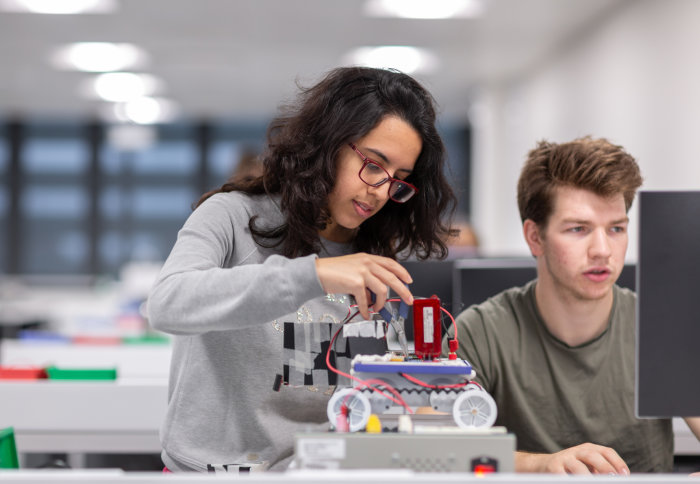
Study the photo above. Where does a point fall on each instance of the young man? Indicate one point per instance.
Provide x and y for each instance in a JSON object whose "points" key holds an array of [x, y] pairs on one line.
{"points": [[557, 354]]}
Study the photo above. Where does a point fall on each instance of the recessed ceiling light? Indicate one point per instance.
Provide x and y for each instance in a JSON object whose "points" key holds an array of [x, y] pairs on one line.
{"points": [[424, 9], [122, 86], [411, 60], [59, 7], [99, 57]]}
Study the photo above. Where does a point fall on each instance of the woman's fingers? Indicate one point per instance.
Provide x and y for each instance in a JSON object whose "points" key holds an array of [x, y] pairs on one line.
{"points": [[356, 274]]}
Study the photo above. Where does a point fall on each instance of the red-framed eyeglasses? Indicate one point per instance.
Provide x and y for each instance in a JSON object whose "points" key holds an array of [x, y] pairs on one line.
{"points": [[374, 175]]}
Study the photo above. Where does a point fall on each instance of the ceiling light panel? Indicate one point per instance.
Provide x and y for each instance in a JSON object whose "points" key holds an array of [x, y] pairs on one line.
{"points": [[407, 59], [424, 9], [59, 6], [123, 86], [99, 57]]}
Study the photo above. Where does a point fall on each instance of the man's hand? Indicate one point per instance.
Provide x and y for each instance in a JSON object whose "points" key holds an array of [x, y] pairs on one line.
{"points": [[694, 425], [582, 459]]}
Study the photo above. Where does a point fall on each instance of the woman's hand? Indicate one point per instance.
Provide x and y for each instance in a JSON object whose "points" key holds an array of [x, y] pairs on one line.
{"points": [[357, 274]]}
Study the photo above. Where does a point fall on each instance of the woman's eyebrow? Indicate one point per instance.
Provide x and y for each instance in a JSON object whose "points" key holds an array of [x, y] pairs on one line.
{"points": [[384, 158], [378, 154]]}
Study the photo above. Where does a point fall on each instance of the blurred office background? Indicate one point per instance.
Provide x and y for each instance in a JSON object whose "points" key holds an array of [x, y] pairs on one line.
{"points": [[92, 179]]}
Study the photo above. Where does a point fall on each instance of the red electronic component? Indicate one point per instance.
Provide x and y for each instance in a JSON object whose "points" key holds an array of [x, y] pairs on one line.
{"points": [[427, 332], [454, 345], [484, 465], [481, 469]]}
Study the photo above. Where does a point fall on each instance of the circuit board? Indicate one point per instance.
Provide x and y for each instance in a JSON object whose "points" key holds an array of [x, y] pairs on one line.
{"points": [[374, 364]]}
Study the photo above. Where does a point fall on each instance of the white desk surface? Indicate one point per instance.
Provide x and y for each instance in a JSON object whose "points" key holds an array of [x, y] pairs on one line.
{"points": [[122, 416], [345, 477]]}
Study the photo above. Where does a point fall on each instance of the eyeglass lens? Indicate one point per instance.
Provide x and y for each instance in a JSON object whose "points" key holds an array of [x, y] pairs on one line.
{"points": [[375, 175]]}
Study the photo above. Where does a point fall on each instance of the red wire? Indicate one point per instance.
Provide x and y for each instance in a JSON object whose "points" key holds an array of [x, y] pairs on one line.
{"points": [[368, 383], [454, 325], [398, 400], [393, 390], [436, 387], [376, 381]]}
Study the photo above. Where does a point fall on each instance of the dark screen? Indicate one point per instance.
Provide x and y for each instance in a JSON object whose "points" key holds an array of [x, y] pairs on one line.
{"points": [[668, 321], [432, 277], [463, 282], [478, 279]]}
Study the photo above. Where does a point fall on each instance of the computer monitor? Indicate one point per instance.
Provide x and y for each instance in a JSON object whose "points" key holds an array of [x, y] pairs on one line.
{"points": [[475, 280], [432, 277], [462, 282], [668, 304]]}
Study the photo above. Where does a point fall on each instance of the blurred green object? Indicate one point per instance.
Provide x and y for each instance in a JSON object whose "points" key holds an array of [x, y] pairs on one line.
{"points": [[8, 449], [81, 373], [146, 339]]}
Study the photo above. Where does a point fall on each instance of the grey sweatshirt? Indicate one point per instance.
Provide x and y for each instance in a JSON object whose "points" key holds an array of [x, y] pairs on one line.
{"points": [[226, 299]]}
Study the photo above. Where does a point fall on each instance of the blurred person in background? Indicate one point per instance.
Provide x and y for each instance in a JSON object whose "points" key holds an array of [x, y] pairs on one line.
{"points": [[248, 168]]}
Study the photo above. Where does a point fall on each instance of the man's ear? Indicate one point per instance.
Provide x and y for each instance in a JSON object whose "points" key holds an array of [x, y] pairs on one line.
{"points": [[533, 237]]}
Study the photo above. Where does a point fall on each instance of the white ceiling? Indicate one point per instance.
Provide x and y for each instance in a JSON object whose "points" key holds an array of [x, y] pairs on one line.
{"points": [[238, 59]]}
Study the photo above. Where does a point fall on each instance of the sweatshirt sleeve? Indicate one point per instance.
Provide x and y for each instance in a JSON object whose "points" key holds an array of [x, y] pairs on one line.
{"points": [[207, 284]]}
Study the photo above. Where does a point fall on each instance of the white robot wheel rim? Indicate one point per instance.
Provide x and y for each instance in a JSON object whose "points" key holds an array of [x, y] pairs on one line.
{"points": [[358, 406], [474, 408]]}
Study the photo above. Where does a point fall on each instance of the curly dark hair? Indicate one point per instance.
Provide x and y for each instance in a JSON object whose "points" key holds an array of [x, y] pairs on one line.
{"points": [[304, 142]]}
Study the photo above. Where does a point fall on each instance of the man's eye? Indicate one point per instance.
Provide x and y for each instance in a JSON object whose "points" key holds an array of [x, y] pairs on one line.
{"points": [[618, 230]]}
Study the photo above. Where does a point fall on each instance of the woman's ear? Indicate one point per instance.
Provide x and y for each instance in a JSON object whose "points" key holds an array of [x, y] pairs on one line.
{"points": [[533, 237]]}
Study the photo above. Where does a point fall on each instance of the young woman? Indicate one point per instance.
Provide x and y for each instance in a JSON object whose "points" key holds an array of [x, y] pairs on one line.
{"points": [[353, 176]]}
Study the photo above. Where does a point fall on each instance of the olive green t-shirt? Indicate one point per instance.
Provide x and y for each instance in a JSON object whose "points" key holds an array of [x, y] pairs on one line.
{"points": [[553, 396]]}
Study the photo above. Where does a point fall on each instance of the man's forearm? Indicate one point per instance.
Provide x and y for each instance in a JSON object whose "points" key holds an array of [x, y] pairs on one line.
{"points": [[694, 424]]}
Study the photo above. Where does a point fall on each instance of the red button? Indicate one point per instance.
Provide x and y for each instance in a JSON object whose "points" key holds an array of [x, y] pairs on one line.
{"points": [[481, 469]]}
